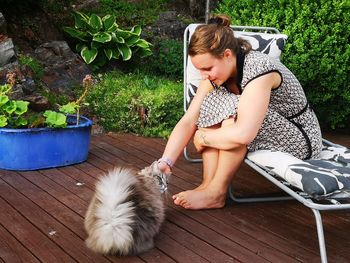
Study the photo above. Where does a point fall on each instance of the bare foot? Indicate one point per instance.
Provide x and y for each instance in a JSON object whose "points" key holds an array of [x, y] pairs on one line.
{"points": [[205, 183], [200, 199], [202, 186]]}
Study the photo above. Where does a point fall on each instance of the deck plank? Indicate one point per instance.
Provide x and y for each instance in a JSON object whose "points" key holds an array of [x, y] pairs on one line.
{"points": [[11, 250], [148, 159], [303, 235], [27, 233], [49, 215], [42, 214]]}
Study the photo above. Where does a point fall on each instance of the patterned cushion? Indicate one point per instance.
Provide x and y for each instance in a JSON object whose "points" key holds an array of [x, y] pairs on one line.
{"points": [[271, 44], [317, 177]]}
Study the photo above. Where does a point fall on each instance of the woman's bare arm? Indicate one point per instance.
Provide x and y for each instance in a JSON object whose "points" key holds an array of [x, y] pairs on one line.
{"points": [[186, 127], [251, 111]]}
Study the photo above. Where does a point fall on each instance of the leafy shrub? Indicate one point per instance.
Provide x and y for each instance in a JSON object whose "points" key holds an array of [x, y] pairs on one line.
{"points": [[101, 39], [317, 49], [142, 12], [137, 103], [168, 59]]}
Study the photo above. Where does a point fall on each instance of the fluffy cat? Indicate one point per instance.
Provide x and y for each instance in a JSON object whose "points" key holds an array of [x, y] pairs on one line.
{"points": [[126, 211]]}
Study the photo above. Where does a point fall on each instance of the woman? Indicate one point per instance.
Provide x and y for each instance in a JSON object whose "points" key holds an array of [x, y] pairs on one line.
{"points": [[246, 101]]}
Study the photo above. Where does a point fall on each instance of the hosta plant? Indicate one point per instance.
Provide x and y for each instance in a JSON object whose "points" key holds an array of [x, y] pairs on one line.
{"points": [[101, 39]]}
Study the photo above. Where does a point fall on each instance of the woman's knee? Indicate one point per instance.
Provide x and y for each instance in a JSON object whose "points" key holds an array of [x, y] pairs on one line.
{"points": [[229, 121], [214, 127]]}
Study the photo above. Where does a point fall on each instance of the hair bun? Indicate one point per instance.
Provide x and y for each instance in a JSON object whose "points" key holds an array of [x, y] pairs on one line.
{"points": [[220, 20]]}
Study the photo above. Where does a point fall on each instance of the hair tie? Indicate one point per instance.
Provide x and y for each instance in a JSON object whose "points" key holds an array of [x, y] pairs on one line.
{"points": [[215, 20]]}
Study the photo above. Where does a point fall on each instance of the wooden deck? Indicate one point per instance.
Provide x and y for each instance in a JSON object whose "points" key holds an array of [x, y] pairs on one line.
{"points": [[41, 218]]}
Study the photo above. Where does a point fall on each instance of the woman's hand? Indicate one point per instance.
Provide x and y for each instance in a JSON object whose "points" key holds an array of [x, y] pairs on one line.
{"points": [[198, 140], [205, 87], [164, 168]]}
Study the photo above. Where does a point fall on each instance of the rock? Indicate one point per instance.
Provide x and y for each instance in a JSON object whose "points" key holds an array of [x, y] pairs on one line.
{"points": [[62, 67], [7, 52], [6, 69], [37, 102], [17, 92], [197, 8], [54, 53], [3, 26], [168, 26], [25, 84], [23, 73], [87, 5], [28, 86]]}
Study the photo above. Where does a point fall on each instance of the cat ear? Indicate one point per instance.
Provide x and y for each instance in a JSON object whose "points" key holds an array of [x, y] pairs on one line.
{"points": [[155, 167]]}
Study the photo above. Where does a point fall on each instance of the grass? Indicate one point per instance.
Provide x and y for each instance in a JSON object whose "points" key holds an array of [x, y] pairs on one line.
{"points": [[137, 103]]}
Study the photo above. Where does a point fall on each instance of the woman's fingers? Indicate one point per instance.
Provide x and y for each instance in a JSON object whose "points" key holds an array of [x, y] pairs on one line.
{"points": [[197, 142]]}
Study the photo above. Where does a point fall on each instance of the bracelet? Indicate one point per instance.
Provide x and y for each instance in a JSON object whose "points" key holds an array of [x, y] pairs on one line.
{"points": [[167, 161]]}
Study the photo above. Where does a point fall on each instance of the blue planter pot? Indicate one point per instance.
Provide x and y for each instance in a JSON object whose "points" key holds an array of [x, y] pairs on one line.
{"points": [[39, 148]]}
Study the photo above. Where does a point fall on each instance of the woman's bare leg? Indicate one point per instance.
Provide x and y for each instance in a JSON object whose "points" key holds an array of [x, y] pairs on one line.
{"points": [[210, 157], [214, 194], [219, 166]]}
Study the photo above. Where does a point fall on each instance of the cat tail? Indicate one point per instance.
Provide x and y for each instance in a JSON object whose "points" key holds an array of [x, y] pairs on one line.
{"points": [[114, 213]]}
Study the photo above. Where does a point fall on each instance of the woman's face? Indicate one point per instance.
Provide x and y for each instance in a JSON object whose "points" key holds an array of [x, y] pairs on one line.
{"points": [[213, 68]]}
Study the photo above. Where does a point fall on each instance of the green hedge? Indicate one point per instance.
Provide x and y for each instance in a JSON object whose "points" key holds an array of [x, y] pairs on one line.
{"points": [[137, 103], [167, 60], [317, 49]]}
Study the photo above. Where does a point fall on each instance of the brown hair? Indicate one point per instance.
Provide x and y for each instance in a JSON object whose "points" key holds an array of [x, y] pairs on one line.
{"points": [[215, 37]]}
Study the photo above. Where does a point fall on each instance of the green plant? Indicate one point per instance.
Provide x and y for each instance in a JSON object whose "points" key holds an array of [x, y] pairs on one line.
{"points": [[142, 12], [168, 59], [11, 111], [15, 114], [101, 39], [317, 49], [32, 63], [137, 103]]}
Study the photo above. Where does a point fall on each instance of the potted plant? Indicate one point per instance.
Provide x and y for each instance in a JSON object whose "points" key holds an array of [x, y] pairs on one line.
{"points": [[52, 139]]}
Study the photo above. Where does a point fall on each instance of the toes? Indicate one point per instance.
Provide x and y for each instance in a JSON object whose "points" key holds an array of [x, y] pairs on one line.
{"points": [[183, 202], [177, 201], [187, 206], [178, 195], [180, 199]]}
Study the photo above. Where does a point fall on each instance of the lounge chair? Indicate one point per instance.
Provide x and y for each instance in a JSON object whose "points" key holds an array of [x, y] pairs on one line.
{"points": [[322, 184]]}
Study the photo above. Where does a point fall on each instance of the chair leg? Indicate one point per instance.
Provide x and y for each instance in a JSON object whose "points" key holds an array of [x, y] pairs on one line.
{"points": [[320, 235], [188, 158], [255, 199]]}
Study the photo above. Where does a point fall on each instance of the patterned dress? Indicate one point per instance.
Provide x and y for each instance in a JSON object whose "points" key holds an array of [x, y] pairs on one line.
{"points": [[290, 125]]}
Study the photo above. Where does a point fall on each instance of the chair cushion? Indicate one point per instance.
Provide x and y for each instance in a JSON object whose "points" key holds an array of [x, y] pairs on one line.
{"points": [[328, 175], [268, 43]]}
